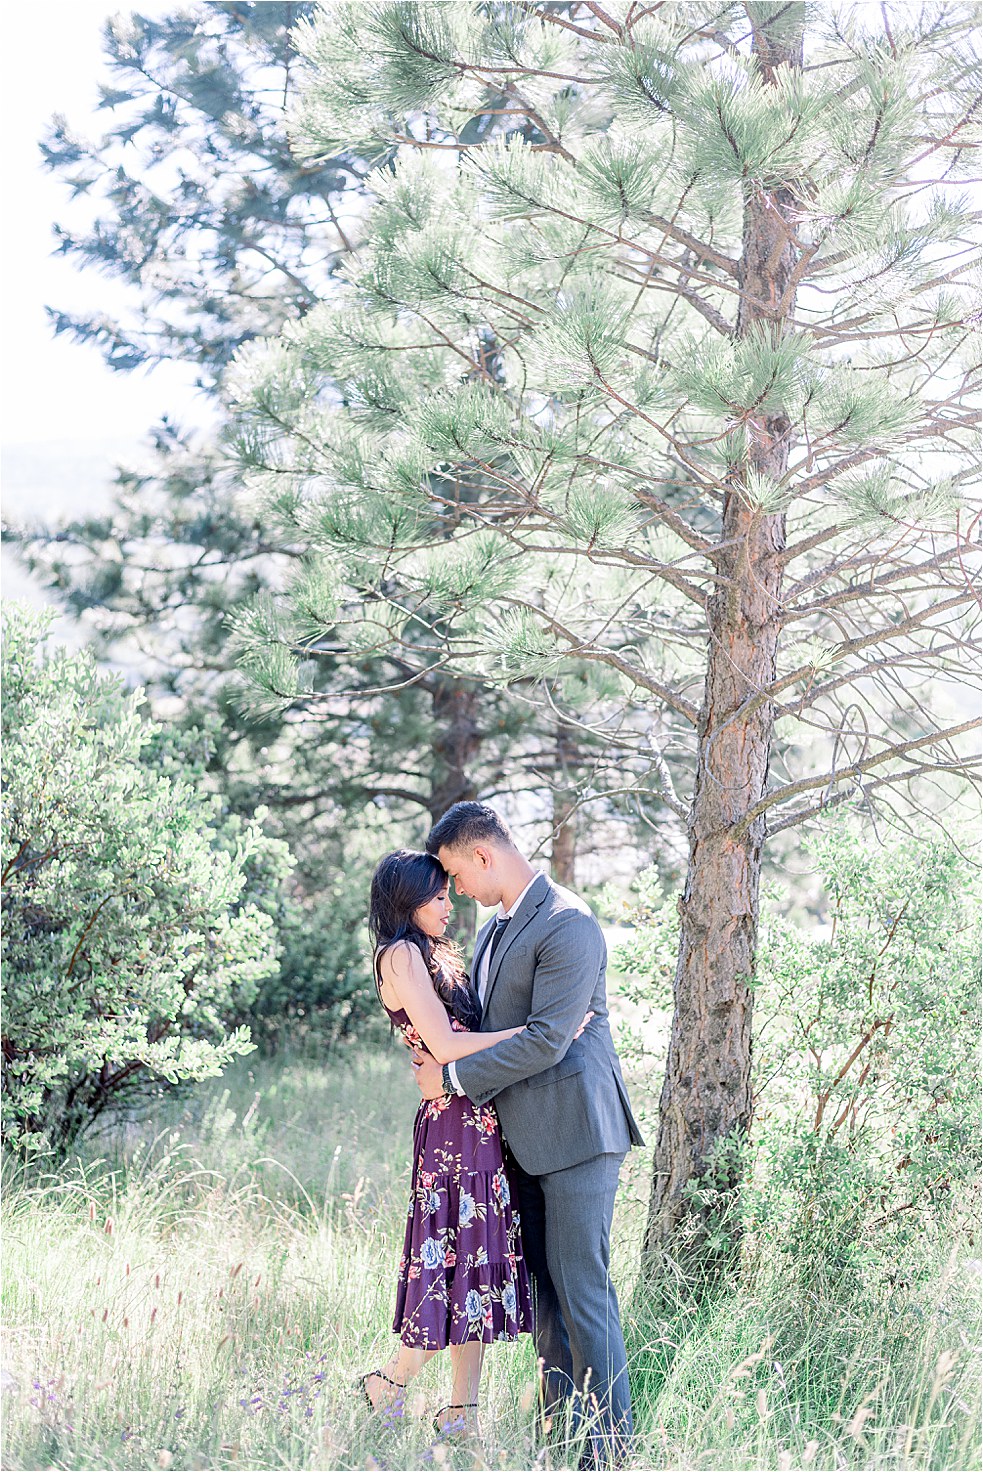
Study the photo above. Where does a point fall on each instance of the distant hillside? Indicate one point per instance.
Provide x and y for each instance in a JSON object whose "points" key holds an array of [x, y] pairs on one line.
{"points": [[53, 481]]}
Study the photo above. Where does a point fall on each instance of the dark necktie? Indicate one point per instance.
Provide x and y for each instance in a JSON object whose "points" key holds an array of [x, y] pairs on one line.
{"points": [[501, 925]]}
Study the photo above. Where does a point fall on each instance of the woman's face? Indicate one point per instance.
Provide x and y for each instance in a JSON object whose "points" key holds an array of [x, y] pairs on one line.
{"points": [[432, 917]]}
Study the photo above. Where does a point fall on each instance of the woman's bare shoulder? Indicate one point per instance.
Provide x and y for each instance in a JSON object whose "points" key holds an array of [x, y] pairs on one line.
{"points": [[401, 958]]}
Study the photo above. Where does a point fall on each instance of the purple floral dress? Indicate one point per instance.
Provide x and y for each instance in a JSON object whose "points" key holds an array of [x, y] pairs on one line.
{"points": [[461, 1275]]}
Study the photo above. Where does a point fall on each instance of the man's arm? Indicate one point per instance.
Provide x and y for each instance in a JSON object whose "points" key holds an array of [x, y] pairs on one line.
{"points": [[570, 956]]}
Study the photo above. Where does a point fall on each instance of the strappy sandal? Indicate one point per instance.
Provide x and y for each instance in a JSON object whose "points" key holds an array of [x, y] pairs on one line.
{"points": [[386, 1405], [453, 1430]]}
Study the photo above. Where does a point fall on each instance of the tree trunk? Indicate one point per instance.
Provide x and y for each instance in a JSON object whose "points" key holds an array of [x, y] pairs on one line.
{"points": [[563, 850], [455, 748], [563, 853], [705, 1108]]}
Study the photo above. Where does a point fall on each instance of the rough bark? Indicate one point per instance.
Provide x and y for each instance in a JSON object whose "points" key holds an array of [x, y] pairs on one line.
{"points": [[455, 749], [706, 1095], [563, 851], [563, 847]]}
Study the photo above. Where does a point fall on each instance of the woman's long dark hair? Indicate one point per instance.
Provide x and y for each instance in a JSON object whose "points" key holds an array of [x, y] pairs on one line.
{"points": [[403, 881]]}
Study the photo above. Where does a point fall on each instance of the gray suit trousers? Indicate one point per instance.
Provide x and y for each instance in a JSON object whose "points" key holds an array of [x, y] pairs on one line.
{"points": [[566, 1224]]}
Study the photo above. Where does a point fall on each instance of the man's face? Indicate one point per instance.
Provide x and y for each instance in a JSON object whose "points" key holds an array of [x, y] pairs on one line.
{"points": [[472, 872]]}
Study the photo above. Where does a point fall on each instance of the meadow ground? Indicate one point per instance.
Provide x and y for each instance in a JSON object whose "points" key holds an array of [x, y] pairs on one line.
{"points": [[202, 1292]]}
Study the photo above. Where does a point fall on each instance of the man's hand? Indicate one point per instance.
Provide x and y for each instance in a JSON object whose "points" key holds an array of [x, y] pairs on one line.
{"points": [[428, 1075]]}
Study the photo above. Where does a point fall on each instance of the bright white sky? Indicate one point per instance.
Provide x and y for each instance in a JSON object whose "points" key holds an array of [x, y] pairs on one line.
{"points": [[53, 389]]}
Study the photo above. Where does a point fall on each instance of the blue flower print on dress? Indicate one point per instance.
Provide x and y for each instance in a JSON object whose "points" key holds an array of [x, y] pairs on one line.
{"points": [[508, 1299], [432, 1253], [473, 1306], [467, 1210], [431, 1201], [500, 1190]]}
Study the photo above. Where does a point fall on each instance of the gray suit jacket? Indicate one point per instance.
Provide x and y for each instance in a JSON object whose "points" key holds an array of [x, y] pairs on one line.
{"points": [[560, 1101]]}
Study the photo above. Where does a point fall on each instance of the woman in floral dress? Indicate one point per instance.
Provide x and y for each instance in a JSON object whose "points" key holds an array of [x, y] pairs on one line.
{"points": [[462, 1280]]}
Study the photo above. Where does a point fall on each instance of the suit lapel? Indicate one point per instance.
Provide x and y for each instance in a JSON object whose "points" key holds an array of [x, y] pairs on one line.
{"points": [[535, 895]]}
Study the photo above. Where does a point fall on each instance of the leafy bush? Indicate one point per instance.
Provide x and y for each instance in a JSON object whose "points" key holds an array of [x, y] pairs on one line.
{"points": [[131, 943], [866, 1059], [324, 990], [868, 1071]]}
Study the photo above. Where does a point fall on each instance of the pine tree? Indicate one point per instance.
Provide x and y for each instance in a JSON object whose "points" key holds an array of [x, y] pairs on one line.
{"points": [[222, 235], [197, 202], [725, 254]]}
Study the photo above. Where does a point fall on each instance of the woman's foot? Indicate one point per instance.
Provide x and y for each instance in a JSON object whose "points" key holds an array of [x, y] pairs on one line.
{"points": [[458, 1422], [382, 1393]]}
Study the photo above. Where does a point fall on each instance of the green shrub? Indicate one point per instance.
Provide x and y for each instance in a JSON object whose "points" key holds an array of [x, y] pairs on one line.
{"points": [[867, 1118], [131, 945], [324, 990], [866, 1058]]}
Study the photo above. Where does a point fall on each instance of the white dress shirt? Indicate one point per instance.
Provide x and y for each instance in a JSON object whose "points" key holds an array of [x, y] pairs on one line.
{"points": [[481, 978]]}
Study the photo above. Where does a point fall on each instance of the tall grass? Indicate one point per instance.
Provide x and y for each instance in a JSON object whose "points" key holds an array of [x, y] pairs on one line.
{"points": [[203, 1292]]}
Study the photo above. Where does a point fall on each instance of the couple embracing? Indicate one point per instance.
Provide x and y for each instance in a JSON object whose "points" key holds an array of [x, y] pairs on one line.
{"points": [[520, 1135]]}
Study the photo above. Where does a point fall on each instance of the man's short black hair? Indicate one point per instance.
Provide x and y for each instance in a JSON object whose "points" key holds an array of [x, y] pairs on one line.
{"points": [[466, 824]]}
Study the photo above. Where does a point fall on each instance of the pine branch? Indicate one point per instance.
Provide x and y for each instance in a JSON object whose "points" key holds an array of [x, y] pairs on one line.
{"points": [[855, 770], [842, 650], [967, 768], [706, 310], [868, 671], [872, 452], [556, 20], [880, 584], [637, 676]]}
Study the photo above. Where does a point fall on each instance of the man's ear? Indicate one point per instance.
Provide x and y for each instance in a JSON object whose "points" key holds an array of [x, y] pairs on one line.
{"points": [[483, 857]]}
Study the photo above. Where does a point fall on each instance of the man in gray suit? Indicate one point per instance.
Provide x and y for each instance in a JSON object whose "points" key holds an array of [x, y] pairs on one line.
{"points": [[561, 1100]]}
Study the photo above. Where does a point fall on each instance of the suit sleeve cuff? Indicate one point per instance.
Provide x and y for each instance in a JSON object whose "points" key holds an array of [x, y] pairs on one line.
{"points": [[451, 1071]]}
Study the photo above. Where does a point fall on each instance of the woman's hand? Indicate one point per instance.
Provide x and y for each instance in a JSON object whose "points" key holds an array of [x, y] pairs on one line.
{"points": [[587, 1018]]}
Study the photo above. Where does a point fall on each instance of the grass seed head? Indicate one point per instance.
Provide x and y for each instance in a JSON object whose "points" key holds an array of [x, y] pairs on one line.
{"points": [[856, 1425], [165, 1458], [809, 1453]]}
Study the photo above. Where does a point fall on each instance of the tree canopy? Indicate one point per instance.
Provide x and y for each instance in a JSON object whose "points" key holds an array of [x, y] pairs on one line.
{"points": [[651, 380]]}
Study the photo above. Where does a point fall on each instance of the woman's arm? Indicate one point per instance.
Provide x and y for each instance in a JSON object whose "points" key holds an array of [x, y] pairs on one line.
{"points": [[406, 978]]}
